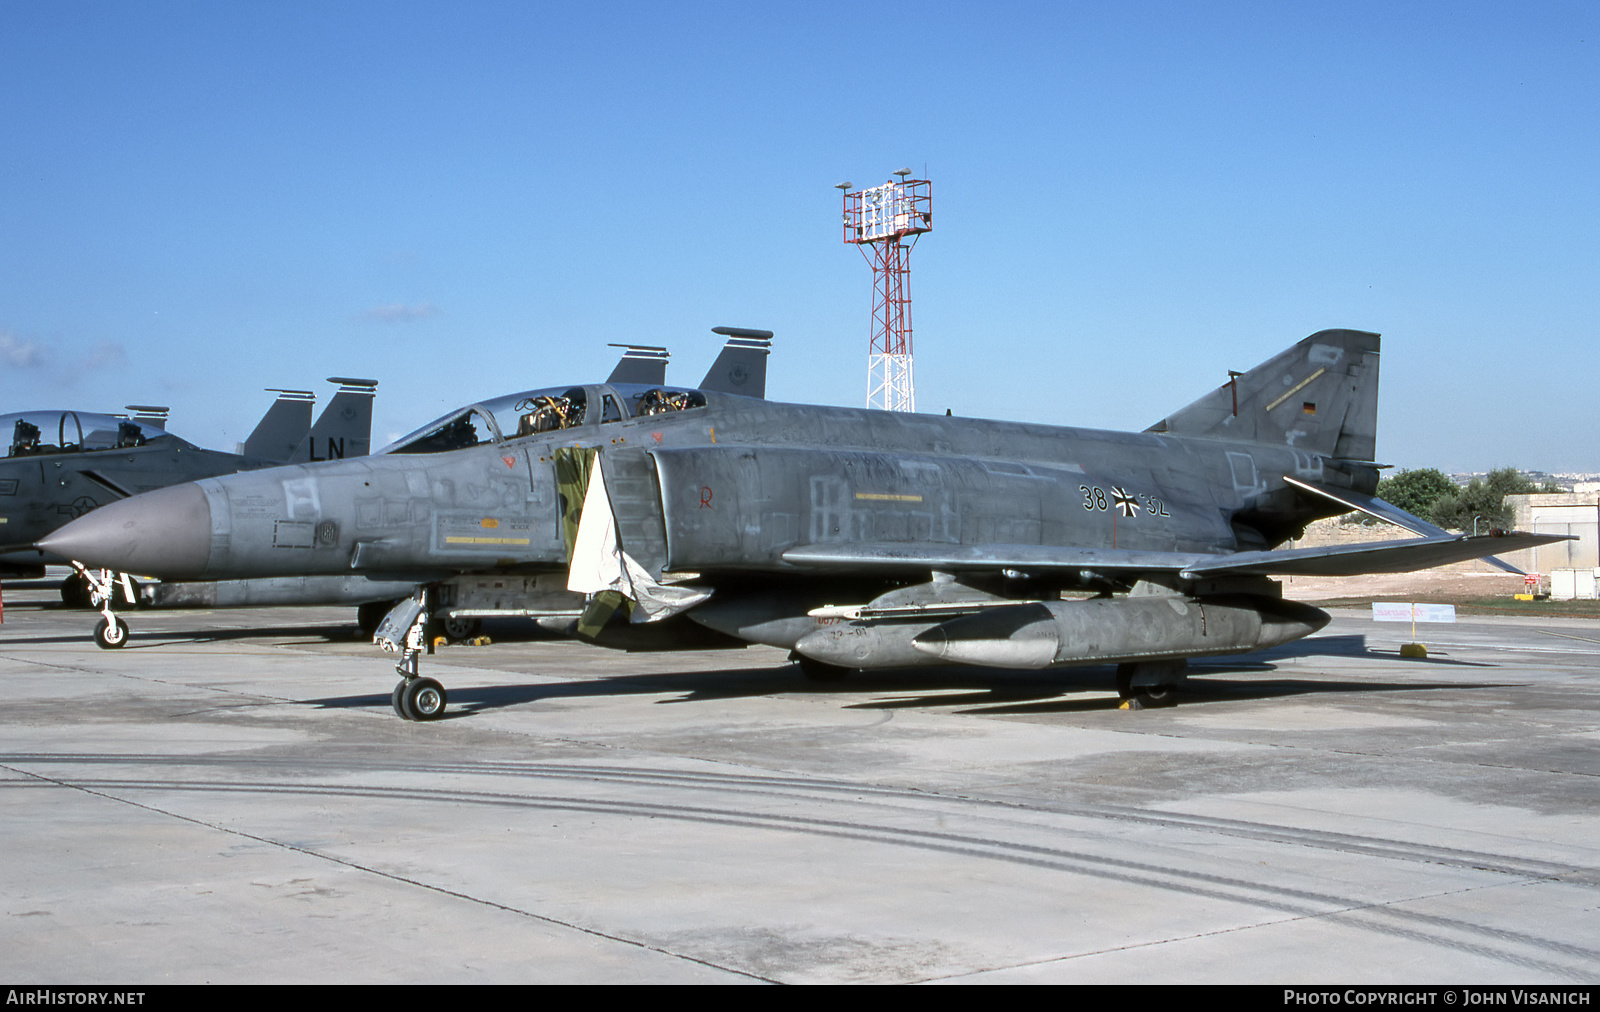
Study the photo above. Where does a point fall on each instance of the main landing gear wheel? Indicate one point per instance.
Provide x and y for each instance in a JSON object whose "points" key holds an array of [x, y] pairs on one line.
{"points": [[1150, 695], [461, 628], [419, 699], [1152, 698], [111, 634]]}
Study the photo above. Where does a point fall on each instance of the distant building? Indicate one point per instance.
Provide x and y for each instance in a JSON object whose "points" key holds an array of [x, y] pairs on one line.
{"points": [[1576, 513]]}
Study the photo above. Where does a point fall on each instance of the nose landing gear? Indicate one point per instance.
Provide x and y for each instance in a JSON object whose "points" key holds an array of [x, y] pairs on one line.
{"points": [[110, 633], [419, 699], [403, 631]]}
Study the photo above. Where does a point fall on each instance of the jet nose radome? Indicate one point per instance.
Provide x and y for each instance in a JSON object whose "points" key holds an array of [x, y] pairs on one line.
{"points": [[165, 533]]}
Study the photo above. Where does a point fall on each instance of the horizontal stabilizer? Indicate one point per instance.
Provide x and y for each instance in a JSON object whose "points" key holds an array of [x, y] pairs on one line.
{"points": [[1373, 557], [1372, 506], [645, 364], [1376, 508], [1329, 560]]}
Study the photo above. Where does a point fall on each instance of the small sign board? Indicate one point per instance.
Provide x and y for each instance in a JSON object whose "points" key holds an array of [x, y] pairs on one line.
{"points": [[1392, 612]]}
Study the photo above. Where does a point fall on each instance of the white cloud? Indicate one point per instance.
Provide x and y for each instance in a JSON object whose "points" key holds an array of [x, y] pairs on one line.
{"points": [[20, 353], [399, 312]]}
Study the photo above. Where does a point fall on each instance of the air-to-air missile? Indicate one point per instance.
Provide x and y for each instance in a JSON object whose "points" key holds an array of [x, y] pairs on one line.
{"points": [[647, 516]]}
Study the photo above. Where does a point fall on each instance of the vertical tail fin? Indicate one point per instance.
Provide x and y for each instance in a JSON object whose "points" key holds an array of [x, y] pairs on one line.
{"points": [[345, 427], [1320, 395], [283, 427], [155, 414], [645, 364], [742, 366]]}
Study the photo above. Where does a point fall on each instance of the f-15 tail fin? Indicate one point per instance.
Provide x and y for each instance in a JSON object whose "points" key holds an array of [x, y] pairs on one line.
{"points": [[742, 366], [344, 428], [645, 364], [1320, 395], [283, 427]]}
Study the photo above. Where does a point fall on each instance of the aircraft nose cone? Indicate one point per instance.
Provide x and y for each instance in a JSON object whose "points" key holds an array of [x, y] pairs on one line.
{"points": [[165, 533]]}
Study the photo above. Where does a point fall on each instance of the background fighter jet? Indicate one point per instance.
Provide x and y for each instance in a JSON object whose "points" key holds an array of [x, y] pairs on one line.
{"points": [[59, 465], [657, 517]]}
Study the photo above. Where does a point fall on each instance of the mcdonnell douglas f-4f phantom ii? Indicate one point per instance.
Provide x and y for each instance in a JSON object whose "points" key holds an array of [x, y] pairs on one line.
{"points": [[661, 517]]}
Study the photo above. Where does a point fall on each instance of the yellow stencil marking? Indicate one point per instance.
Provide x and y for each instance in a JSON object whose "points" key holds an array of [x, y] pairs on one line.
{"points": [[1297, 388]]}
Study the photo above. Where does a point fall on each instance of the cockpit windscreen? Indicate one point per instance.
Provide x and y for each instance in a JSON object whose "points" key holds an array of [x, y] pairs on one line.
{"points": [[534, 412], [36, 433]]}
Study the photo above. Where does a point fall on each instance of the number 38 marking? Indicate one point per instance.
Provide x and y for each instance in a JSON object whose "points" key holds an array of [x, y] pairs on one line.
{"points": [[1093, 498]]}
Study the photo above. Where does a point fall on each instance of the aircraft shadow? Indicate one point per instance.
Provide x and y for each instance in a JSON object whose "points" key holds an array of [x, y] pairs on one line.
{"points": [[973, 689], [145, 640]]}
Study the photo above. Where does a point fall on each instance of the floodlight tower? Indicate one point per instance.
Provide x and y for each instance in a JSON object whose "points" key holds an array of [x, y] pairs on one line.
{"points": [[880, 219]]}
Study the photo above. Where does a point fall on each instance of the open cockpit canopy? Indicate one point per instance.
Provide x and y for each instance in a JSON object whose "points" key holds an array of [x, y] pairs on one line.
{"points": [[37, 433], [535, 412]]}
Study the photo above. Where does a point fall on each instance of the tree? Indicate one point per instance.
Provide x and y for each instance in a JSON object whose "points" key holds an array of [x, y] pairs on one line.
{"points": [[1417, 491], [1483, 500]]}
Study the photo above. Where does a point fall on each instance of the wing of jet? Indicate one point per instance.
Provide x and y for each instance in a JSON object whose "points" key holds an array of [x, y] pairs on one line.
{"points": [[655, 517], [1402, 556]]}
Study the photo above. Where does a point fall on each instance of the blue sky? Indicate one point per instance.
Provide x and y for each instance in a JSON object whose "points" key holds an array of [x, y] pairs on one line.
{"points": [[460, 200]]}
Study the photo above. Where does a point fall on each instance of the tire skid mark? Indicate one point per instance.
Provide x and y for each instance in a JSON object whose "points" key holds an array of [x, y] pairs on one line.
{"points": [[787, 786], [1382, 917]]}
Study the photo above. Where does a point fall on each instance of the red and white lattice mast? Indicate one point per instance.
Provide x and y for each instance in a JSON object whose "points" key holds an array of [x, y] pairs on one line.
{"points": [[879, 220]]}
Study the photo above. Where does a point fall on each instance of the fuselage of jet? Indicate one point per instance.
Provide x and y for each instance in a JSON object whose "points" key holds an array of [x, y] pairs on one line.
{"points": [[730, 486]]}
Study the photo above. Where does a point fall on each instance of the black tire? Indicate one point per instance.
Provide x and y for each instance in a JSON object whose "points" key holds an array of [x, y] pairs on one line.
{"points": [[1154, 697], [396, 699], [423, 699], [818, 671], [460, 628], [111, 635], [1124, 681], [75, 591]]}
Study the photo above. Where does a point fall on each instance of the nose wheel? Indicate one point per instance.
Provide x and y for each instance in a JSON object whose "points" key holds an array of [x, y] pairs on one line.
{"points": [[111, 634], [419, 699]]}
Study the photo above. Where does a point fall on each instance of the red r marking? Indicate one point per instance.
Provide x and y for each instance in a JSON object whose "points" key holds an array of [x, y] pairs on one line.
{"points": [[705, 497], [657, 436]]}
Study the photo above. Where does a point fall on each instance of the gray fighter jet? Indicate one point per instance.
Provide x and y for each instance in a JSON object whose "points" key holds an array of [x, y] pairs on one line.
{"points": [[344, 428], [59, 464], [648, 516]]}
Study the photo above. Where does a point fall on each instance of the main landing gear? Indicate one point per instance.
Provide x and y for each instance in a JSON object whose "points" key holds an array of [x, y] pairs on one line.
{"points": [[404, 630], [1147, 685]]}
